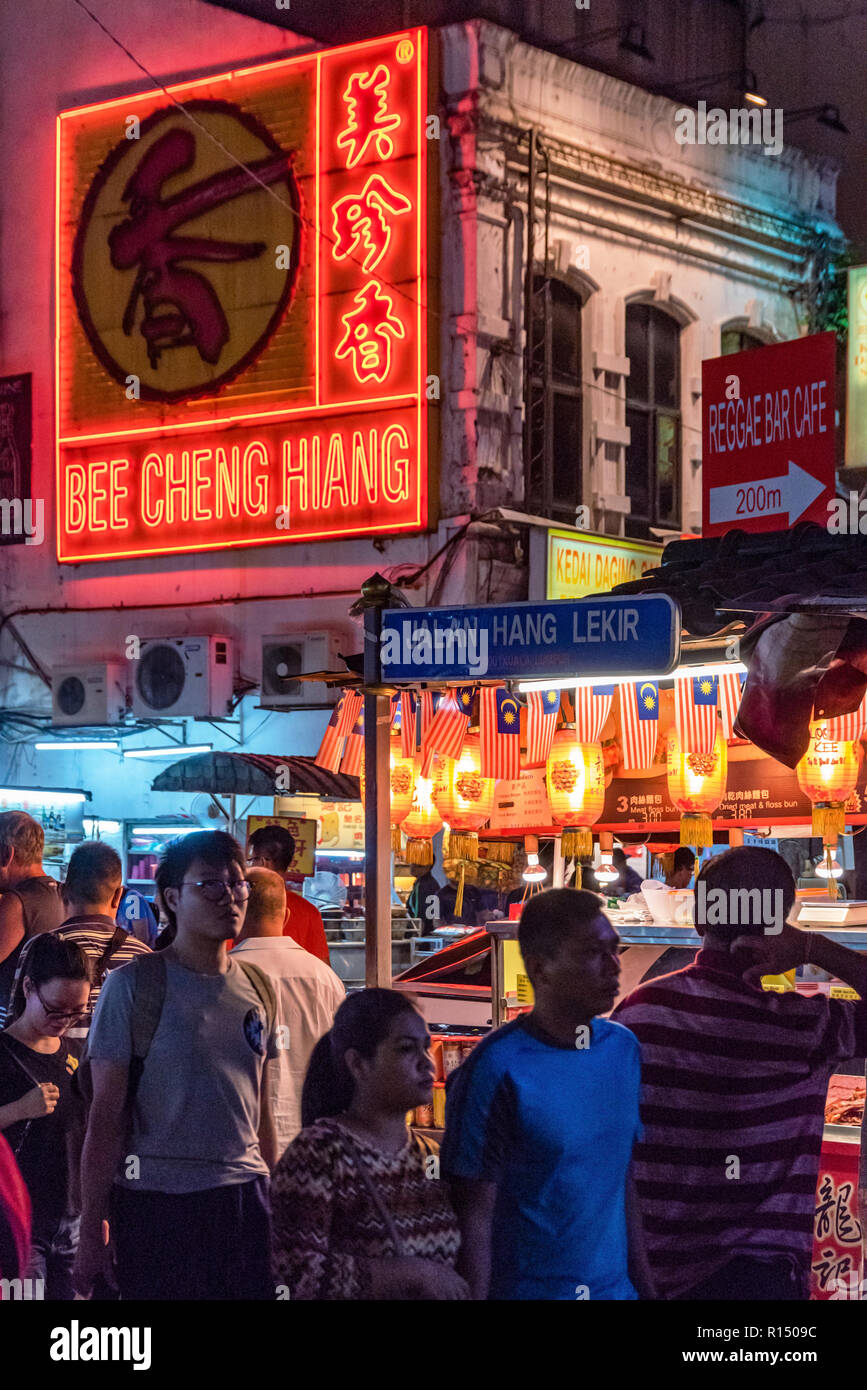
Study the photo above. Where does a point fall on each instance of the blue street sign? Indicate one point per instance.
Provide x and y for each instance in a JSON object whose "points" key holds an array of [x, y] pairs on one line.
{"points": [[614, 636]]}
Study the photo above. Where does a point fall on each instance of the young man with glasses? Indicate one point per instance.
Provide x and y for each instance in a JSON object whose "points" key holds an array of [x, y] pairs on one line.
{"points": [[180, 1168]]}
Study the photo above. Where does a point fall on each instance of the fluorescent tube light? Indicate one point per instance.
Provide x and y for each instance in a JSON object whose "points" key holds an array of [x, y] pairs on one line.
{"points": [[76, 745], [168, 750], [711, 668]]}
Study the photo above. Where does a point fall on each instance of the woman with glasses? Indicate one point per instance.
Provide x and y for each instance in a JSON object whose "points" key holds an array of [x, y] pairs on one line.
{"points": [[41, 1114]]}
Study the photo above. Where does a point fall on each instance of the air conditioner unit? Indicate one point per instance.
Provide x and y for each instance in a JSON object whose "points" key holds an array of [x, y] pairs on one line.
{"points": [[183, 676], [88, 695], [286, 656]]}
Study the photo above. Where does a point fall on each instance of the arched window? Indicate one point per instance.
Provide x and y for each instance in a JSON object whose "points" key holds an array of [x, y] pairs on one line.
{"points": [[653, 417], [553, 470], [738, 340]]}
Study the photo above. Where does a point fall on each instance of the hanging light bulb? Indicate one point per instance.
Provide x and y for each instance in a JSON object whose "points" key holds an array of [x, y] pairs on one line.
{"points": [[826, 870], [605, 871], [422, 823], [534, 872]]}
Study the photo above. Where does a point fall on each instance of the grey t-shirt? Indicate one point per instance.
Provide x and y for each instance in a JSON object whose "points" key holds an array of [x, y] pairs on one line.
{"points": [[196, 1113]]}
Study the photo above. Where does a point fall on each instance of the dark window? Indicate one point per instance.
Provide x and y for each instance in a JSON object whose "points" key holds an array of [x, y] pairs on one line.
{"points": [[738, 340], [653, 417], [553, 472]]}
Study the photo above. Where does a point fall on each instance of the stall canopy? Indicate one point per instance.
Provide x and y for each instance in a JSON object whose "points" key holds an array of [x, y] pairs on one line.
{"points": [[255, 774], [802, 595]]}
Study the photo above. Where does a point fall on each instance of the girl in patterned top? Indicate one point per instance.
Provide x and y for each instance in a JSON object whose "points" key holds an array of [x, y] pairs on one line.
{"points": [[358, 1208]]}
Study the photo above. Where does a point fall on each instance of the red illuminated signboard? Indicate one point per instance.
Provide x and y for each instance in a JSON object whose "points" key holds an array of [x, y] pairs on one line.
{"points": [[240, 329], [768, 444]]}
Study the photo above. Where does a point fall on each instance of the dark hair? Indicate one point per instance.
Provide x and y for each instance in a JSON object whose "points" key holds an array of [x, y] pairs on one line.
{"points": [[548, 919], [619, 858], [46, 957], [216, 848], [94, 872], [362, 1022], [276, 842], [684, 858], [746, 871]]}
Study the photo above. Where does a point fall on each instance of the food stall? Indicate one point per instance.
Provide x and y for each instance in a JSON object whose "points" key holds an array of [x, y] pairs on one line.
{"points": [[60, 811], [698, 780]]}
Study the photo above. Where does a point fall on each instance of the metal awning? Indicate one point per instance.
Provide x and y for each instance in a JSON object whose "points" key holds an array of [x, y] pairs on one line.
{"points": [[255, 774]]}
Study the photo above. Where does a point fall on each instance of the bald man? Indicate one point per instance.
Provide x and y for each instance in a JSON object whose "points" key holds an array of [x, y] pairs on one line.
{"points": [[308, 994]]}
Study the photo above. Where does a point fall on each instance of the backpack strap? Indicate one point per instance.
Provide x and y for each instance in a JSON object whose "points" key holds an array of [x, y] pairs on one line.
{"points": [[265, 990], [149, 993], [100, 970]]}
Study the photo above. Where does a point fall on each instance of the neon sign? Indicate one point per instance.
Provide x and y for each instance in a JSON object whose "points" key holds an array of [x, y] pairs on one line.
{"points": [[240, 337]]}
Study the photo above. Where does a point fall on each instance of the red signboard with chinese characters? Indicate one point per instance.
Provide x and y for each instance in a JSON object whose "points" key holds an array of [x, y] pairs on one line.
{"points": [[768, 440], [836, 1265], [240, 293]]}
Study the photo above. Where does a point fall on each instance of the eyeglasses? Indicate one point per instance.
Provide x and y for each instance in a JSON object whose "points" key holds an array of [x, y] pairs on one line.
{"points": [[215, 889], [59, 1015]]}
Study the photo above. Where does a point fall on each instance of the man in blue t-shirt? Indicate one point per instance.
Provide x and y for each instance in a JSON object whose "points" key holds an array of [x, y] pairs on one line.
{"points": [[541, 1120]]}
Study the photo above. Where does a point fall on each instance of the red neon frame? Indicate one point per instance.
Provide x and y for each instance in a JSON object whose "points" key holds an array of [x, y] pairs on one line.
{"points": [[106, 451]]}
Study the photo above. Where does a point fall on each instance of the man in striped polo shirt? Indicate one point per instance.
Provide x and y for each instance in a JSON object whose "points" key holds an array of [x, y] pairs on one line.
{"points": [[91, 893], [734, 1082]]}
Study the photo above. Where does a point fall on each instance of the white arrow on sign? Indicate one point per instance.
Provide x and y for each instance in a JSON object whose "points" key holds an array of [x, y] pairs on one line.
{"points": [[742, 501]]}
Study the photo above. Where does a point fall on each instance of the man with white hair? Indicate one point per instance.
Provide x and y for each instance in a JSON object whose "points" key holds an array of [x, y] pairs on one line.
{"points": [[308, 995]]}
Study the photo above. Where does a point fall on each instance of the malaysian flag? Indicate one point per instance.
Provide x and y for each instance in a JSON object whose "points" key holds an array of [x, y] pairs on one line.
{"points": [[332, 742], [352, 703], [543, 707], [639, 719], [424, 715], [592, 708], [407, 723], [845, 728], [448, 728], [351, 763], [731, 684], [695, 705], [499, 732]]}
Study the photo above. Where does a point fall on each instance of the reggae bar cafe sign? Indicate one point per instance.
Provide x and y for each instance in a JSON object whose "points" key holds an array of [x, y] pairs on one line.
{"points": [[240, 280], [768, 438], [588, 637]]}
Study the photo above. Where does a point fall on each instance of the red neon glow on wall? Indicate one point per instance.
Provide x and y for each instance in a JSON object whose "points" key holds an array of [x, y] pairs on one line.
{"points": [[319, 430]]}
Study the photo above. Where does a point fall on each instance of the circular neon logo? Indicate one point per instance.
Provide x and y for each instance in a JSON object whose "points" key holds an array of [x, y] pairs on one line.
{"points": [[185, 260]]}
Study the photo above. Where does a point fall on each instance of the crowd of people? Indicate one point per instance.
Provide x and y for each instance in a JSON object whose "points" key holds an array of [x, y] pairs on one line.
{"points": [[199, 1122]]}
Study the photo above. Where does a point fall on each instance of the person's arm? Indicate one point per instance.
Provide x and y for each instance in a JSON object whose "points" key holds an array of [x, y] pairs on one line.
{"points": [[39, 1101], [100, 1160], [267, 1130], [11, 924], [639, 1266], [792, 947], [474, 1204]]}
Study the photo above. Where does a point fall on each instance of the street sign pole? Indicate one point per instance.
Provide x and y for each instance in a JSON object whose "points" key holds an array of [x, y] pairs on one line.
{"points": [[377, 834]]}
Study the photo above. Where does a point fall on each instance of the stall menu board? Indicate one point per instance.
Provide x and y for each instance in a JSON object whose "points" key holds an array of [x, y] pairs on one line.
{"points": [[521, 806], [341, 826], [303, 833], [759, 791]]}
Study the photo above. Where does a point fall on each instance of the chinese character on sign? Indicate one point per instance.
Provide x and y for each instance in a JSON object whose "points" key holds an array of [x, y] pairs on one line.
{"points": [[369, 332], [181, 306], [366, 97], [360, 220], [827, 1270]]}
